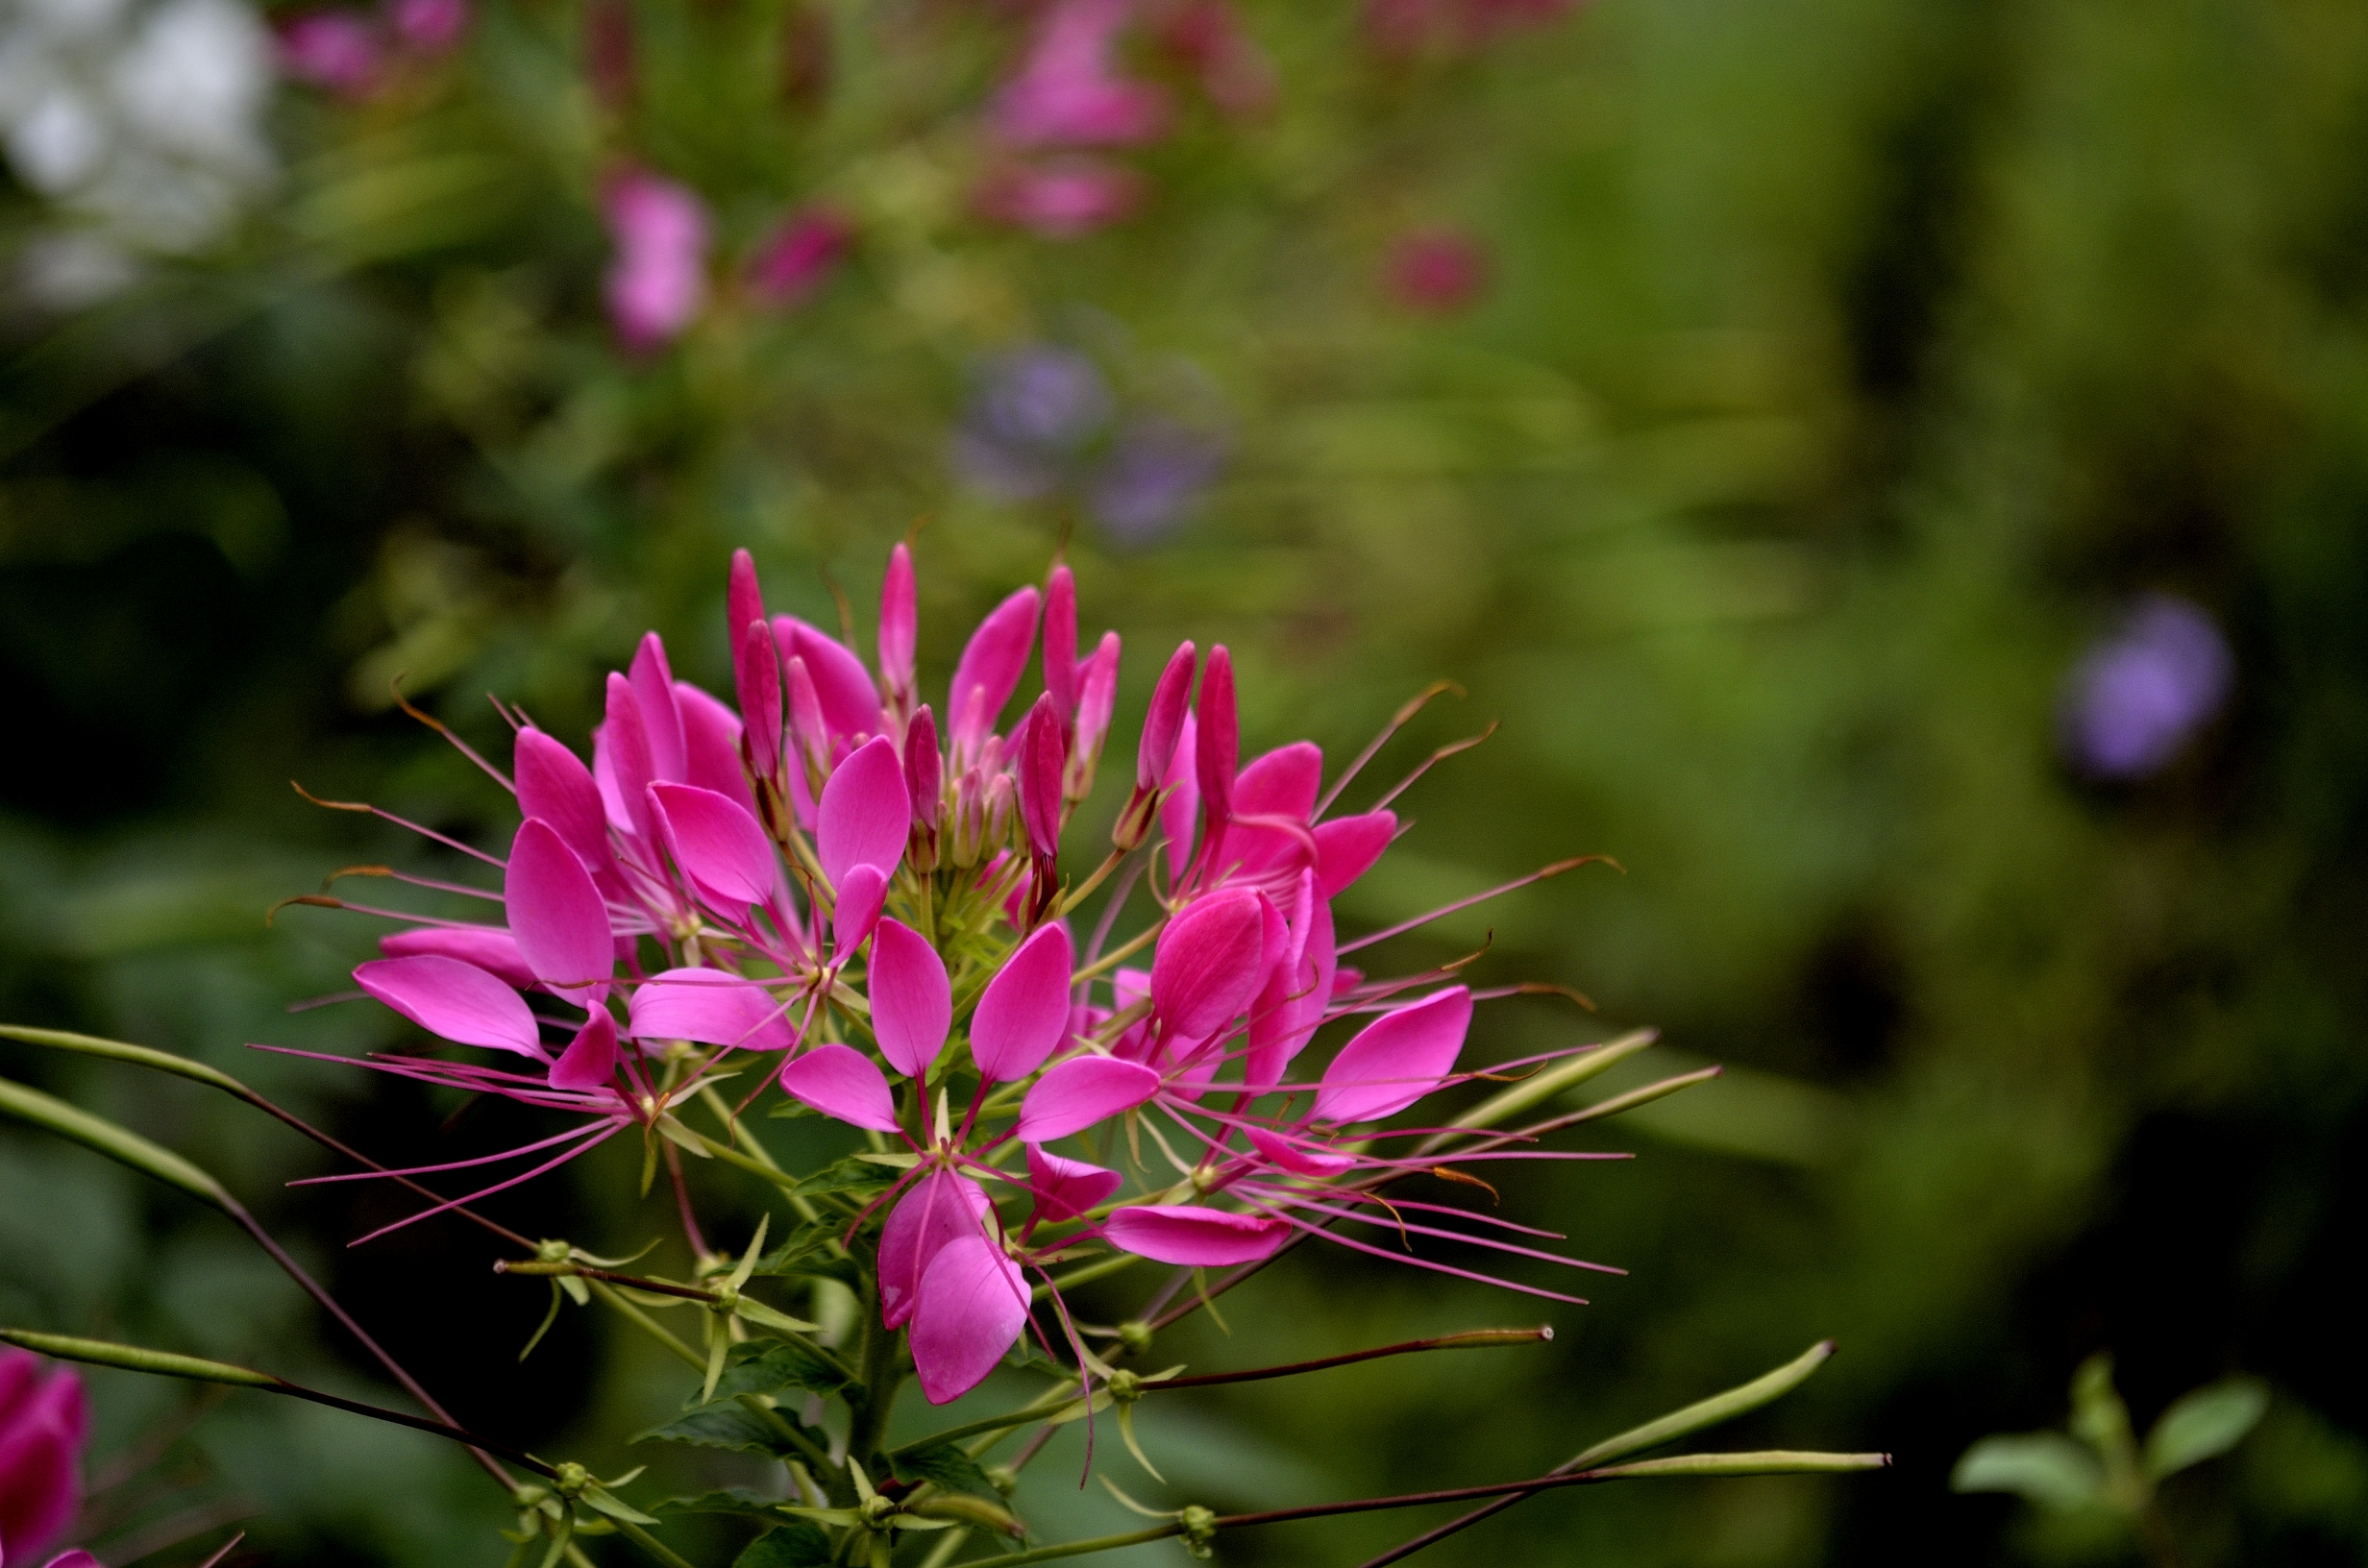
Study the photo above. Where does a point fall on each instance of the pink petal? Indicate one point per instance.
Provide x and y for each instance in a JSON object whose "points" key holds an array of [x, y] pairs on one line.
{"points": [[1287, 1013], [866, 812], [939, 1208], [1065, 1189], [487, 946], [555, 912], [1283, 783], [1060, 641], [1299, 1159], [861, 893], [1041, 759], [624, 745], [912, 1000], [1080, 1092], [455, 1000], [1193, 1237], [897, 621], [972, 1308], [1098, 697], [756, 677], [923, 767], [718, 843], [1024, 1013], [1396, 1060], [712, 1008], [711, 747], [591, 1059], [1171, 706], [851, 703], [991, 667], [842, 1083], [1181, 809], [744, 600], [1220, 737], [653, 690], [1346, 848], [554, 785], [1207, 964]]}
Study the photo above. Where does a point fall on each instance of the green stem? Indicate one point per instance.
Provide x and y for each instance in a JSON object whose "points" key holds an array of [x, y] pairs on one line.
{"points": [[1072, 1549], [648, 1543], [880, 1376], [1050, 1405], [783, 1428], [1088, 1272]]}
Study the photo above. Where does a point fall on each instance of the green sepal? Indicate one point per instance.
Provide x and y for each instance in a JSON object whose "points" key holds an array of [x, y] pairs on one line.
{"points": [[726, 1424], [2205, 1424], [751, 1311], [976, 1512], [599, 1500], [767, 1367], [948, 1467], [2043, 1467], [549, 1318], [740, 1501], [794, 1545], [681, 1137], [835, 1518]]}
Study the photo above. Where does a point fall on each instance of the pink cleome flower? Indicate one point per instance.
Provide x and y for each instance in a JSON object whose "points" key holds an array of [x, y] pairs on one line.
{"points": [[44, 1420], [657, 283]]}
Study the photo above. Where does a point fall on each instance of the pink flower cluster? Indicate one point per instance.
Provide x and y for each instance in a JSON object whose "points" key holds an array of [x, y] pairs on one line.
{"points": [[352, 53], [657, 276], [1055, 119], [44, 1419], [829, 878]]}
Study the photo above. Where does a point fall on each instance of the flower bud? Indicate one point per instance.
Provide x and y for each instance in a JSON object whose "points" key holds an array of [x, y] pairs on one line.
{"points": [[899, 616], [1060, 636], [1002, 798], [923, 775], [1219, 747], [1098, 692], [757, 678], [1040, 761], [1170, 700]]}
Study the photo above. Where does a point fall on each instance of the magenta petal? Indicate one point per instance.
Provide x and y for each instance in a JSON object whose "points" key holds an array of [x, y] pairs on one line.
{"points": [[591, 1059], [711, 747], [912, 1000], [1065, 1189], [1024, 1013], [458, 1001], [865, 813], [622, 744], [76, 1559], [712, 1008], [756, 678], [1098, 697], [718, 843], [1181, 809], [1171, 703], [899, 621], [1080, 1092], [991, 664], [654, 692], [972, 1308], [1041, 759], [861, 893], [1346, 848], [849, 701], [1193, 1237], [1207, 965], [1297, 1157], [1060, 641], [744, 600], [939, 1208], [487, 946], [1219, 737], [843, 1083], [925, 767], [556, 913], [554, 785], [1283, 783], [1396, 1060]]}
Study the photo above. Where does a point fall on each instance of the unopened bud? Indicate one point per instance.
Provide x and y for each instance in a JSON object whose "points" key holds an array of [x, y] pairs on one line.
{"points": [[1136, 1336]]}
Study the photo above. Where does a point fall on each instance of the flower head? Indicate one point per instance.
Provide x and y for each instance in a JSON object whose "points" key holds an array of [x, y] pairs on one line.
{"points": [[657, 283], [44, 1420], [2136, 699]]}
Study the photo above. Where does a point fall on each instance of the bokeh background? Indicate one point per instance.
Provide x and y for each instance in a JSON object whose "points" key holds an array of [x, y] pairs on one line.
{"points": [[1786, 420]]}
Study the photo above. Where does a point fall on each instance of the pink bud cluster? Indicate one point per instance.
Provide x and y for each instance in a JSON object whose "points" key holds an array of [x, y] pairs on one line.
{"points": [[831, 880]]}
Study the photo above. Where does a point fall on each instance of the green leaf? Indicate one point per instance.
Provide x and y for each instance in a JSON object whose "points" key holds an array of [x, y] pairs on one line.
{"points": [[2205, 1424], [726, 1424], [768, 1366], [2044, 1468], [749, 1309], [850, 1175], [806, 1242], [743, 1502], [795, 1545], [949, 1467]]}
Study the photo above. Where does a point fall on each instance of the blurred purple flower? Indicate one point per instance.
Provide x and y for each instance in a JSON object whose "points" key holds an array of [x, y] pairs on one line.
{"points": [[2135, 700], [1063, 198], [1036, 409], [1068, 92], [658, 280], [431, 27], [43, 1420], [800, 255], [338, 51], [1436, 271], [1156, 470]]}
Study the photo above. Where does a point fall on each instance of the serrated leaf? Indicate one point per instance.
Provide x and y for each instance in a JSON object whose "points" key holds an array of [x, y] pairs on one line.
{"points": [[726, 1424], [768, 1366], [946, 1466], [2044, 1468], [2204, 1425], [743, 1501], [842, 1176], [794, 1545]]}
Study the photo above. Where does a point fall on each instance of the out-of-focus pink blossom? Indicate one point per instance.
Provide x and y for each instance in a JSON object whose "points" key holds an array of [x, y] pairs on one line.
{"points": [[658, 282], [1436, 271], [431, 27], [1061, 198], [793, 261], [338, 51], [1207, 39], [1068, 92], [44, 1419]]}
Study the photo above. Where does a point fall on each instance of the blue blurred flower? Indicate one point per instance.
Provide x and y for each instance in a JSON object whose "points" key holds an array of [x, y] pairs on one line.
{"points": [[2135, 700], [1157, 467], [1036, 410]]}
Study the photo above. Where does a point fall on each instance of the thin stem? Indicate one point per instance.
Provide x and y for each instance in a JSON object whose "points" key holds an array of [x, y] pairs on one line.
{"points": [[536, 1266], [1471, 1339], [1073, 1548], [1125, 950], [1052, 1404], [1085, 888], [651, 1327], [648, 1543]]}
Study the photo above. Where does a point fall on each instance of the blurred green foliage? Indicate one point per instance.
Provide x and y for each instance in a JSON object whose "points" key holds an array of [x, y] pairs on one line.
{"points": [[1844, 366]]}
